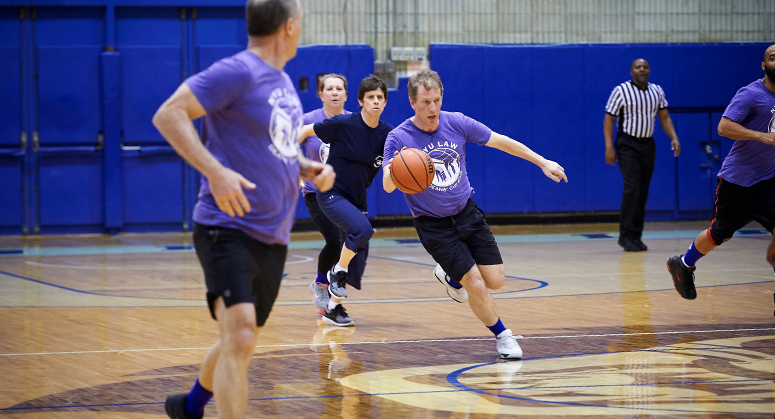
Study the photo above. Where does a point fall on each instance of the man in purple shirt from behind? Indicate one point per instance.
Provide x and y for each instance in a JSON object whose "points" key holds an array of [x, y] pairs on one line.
{"points": [[746, 181], [249, 159], [449, 224]]}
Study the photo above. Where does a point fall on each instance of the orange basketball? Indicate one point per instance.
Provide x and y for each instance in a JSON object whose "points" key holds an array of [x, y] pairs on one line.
{"points": [[412, 170]]}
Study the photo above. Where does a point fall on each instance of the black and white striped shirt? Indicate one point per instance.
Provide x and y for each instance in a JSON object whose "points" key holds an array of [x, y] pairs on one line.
{"points": [[636, 108]]}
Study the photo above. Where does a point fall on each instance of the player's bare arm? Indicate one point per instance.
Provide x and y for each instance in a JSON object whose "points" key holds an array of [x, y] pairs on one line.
{"points": [[667, 126], [608, 133], [387, 182], [731, 129], [306, 131], [322, 175], [173, 120], [551, 169]]}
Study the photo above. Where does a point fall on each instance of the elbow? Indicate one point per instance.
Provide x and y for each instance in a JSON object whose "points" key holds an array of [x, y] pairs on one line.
{"points": [[158, 117], [723, 128]]}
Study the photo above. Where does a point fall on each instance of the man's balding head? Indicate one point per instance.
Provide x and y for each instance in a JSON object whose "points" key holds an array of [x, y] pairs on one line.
{"points": [[265, 17]]}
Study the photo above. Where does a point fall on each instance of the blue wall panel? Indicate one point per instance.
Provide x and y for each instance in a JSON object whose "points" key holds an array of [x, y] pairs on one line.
{"points": [[69, 26], [149, 75], [221, 26], [10, 68], [507, 180], [12, 207], [150, 44], [710, 74], [151, 178], [696, 177], [69, 43], [558, 112], [352, 61], [69, 106], [71, 192], [145, 26]]}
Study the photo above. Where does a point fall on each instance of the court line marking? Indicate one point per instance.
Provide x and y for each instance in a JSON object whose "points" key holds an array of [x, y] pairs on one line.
{"points": [[461, 388], [296, 345], [504, 295], [750, 233], [452, 378], [458, 390]]}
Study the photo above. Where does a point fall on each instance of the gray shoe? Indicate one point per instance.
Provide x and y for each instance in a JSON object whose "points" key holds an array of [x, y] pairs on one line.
{"points": [[337, 284], [338, 317], [319, 296]]}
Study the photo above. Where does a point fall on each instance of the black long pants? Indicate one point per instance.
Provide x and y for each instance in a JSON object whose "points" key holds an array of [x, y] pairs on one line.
{"points": [[636, 160]]}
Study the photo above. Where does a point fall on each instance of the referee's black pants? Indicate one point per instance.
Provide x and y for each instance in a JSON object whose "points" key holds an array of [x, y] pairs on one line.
{"points": [[636, 161]]}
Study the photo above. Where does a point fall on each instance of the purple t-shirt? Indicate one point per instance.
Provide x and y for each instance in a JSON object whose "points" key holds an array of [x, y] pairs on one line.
{"points": [[315, 149], [252, 126], [450, 190], [750, 162]]}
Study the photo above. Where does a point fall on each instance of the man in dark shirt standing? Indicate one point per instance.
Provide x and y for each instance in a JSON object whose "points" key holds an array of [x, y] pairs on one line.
{"points": [[635, 103]]}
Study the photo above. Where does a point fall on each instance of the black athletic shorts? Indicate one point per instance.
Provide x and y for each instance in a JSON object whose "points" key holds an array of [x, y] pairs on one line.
{"points": [[239, 268], [738, 205], [460, 241]]}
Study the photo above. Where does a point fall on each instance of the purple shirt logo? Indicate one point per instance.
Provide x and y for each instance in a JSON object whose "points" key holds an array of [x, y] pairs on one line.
{"points": [[446, 161], [286, 108]]}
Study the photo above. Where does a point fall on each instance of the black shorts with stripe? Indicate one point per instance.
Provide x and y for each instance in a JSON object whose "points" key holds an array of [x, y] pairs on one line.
{"points": [[738, 205]]}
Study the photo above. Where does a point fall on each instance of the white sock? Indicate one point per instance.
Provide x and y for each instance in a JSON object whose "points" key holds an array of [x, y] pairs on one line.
{"points": [[338, 268], [332, 305]]}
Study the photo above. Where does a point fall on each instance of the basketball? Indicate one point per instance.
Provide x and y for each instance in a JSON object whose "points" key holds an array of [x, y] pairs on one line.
{"points": [[412, 170]]}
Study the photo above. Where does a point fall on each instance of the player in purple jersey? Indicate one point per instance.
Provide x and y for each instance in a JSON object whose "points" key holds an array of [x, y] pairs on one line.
{"points": [[333, 94], [356, 145], [746, 181], [249, 159], [449, 224]]}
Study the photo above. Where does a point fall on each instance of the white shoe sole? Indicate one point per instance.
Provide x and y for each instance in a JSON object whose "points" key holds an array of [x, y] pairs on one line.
{"points": [[332, 322], [456, 295]]}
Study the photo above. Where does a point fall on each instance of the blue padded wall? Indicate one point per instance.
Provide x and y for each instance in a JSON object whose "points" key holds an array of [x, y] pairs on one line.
{"points": [[75, 75], [552, 99], [12, 207], [69, 43], [10, 68], [149, 43], [71, 193]]}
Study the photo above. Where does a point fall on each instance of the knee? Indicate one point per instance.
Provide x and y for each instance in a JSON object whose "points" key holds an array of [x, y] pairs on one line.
{"points": [[362, 235], [240, 341], [474, 283], [497, 279]]}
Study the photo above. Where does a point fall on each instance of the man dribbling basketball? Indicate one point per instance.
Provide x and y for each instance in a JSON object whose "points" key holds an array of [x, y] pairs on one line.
{"points": [[449, 224]]}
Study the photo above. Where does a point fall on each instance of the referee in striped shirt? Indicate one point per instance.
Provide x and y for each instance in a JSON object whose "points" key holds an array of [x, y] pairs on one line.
{"points": [[635, 103]]}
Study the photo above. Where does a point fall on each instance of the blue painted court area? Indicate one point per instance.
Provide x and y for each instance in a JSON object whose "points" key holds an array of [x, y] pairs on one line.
{"points": [[381, 242]]}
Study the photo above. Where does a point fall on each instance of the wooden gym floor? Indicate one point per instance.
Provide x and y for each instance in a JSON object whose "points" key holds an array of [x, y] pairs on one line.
{"points": [[105, 327]]}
